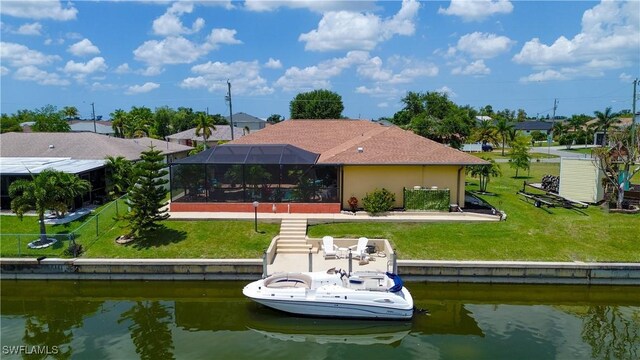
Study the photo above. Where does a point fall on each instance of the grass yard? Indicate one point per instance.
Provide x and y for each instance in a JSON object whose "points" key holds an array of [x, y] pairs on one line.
{"points": [[530, 233], [497, 154]]}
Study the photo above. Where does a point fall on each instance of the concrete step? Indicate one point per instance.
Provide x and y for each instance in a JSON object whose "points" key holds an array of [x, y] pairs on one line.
{"points": [[293, 236], [293, 251], [292, 241], [293, 233]]}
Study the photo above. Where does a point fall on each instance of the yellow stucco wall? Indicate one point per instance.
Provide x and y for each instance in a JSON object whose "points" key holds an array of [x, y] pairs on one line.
{"points": [[360, 180]]}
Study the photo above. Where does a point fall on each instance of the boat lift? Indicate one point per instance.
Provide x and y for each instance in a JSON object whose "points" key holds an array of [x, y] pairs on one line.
{"points": [[548, 199]]}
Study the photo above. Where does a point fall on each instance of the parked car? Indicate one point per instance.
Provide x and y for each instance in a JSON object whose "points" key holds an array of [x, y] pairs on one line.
{"points": [[487, 147]]}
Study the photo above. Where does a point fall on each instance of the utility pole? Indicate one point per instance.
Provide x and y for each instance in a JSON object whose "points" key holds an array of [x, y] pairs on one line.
{"points": [[555, 106], [228, 98], [93, 114]]}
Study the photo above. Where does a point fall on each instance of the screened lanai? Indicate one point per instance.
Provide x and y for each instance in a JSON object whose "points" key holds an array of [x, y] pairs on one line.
{"points": [[236, 173]]}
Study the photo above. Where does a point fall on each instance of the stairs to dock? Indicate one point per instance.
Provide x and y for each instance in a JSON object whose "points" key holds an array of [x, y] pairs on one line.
{"points": [[293, 237]]}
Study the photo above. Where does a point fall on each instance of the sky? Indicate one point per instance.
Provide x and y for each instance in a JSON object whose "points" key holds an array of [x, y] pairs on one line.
{"points": [[507, 54]]}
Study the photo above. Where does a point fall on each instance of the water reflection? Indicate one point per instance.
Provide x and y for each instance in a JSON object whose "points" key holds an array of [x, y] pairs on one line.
{"points": [[150, 328], [204, 319]]}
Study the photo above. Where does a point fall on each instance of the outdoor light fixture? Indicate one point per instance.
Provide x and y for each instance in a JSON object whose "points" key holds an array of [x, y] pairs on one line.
{"points": [[255, 209]]}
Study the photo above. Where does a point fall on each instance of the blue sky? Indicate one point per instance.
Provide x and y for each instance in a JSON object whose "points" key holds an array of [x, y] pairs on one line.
{"points": [[508, 54]]}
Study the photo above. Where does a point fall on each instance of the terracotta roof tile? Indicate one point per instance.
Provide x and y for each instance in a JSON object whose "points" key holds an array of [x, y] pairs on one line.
{"points": [[337, 142]]}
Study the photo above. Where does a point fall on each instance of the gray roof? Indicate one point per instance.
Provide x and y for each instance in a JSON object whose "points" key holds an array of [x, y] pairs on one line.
{"points": [[239, 118], [80, 145], [35, 165], [533, 125], [221, 133], [87, 126]]}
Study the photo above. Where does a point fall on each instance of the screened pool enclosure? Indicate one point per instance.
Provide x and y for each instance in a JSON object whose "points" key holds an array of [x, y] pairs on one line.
{"points": [[236, 173]]}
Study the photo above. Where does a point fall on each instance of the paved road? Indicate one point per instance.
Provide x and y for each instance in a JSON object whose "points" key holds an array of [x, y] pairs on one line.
{"points": [[559, 151]]}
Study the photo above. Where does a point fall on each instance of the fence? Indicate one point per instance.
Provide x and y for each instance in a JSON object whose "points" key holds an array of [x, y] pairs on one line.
{"points": [[16, 245]]}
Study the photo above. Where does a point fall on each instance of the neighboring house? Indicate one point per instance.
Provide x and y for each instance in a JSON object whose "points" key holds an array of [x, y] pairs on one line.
{"points": [[222, 133], [481, 118], [101, 127], [24, 154], [315, 166], [598, 136], [527, 127], [242, 120]]}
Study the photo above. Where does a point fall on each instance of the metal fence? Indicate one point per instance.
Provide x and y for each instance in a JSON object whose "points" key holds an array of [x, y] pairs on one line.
{"points": [[17, 245]]}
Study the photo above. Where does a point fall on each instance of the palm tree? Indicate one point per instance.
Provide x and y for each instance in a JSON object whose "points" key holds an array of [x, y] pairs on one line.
{"points": [[486, 133], [70, 187], [119, 174], [503, 126], [119, 118], [70, 112], [485, 172], [40, 194], [204, 126], [605, 120]]}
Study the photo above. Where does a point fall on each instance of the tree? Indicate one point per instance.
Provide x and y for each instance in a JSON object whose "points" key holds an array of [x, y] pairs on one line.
{"points": [[9, 124], [119, 118], [161, 126], [605, 120], [49, 119], [70, 187], [503, 126], [45, 191], [522, 115], [618, 160], [70, 112], [486, 133], [204, 126], [120, 175], [275, 118], [316, 104], [485, 172], [147, 196], [519, 155]]}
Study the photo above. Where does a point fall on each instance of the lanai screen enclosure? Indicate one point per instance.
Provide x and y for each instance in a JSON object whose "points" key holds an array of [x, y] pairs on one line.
{"points": [[235, 173]]}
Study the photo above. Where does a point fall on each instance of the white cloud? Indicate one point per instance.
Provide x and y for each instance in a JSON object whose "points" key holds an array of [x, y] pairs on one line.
{"points": [[383, 105], [179, 50], [20, 55], [169, 24], [39, 9], [446, 90], [626, 78], [32, 73], [340, 30], [94, 65], [476, 10], [245, 77], [140, 89], [546, 75], [152, 71], [30, 29], [313, 5], [4, 71], [83, 47], [483, 45], [608, 40], [475, 68], [400, 70], [317, 76], [273, 64], [123, 69]]}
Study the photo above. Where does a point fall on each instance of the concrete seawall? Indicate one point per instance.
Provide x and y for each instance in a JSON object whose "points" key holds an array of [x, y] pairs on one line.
{"points": [[249, 269]]}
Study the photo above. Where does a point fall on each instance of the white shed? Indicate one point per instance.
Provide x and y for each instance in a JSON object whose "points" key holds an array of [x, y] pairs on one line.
{"points": [[581, 179]]}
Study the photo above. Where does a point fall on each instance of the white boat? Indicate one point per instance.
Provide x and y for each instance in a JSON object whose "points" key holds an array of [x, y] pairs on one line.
{"points": [[364, 295]]}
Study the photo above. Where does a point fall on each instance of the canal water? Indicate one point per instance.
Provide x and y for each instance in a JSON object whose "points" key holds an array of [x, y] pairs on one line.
{"points": [[212, 320]]}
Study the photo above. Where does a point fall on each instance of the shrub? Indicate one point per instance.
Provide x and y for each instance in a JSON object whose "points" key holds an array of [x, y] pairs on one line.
{"points": [[353, 203], [426, 199], [379, 201]]}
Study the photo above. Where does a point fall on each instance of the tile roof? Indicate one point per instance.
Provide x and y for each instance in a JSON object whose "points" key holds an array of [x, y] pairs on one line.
{"points": [[340, 141], [221, 133], [533, 125], [80, 145]]}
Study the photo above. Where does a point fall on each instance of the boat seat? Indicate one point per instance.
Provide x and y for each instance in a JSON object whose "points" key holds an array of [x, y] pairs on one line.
{"points": [[288, 281]]}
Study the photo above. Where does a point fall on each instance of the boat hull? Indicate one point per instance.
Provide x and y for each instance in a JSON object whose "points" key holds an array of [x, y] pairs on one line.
{"points": [[341, 309]]}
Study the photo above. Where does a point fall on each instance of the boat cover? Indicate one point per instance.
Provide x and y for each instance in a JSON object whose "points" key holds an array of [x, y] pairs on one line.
{"points": [[397, 282]]}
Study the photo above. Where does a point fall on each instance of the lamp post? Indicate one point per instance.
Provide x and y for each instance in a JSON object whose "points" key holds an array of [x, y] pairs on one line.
{"points": [[255, 210]]}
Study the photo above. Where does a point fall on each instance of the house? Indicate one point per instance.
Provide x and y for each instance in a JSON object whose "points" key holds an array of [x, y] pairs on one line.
{"points": [[527, 127], [83, 154], [242, 121], [100, 127], [598, 136], [315, 166], [221, 134]]}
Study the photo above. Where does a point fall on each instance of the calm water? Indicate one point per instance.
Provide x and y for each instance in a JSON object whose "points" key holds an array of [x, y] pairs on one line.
{"points": [[212, 320]]}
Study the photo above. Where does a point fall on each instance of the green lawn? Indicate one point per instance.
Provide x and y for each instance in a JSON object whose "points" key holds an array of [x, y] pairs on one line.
{"points": [[497, 154], [530, 233]]}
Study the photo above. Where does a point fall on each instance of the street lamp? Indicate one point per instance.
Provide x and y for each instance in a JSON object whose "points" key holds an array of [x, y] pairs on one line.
{"points": [[255, 209]]}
